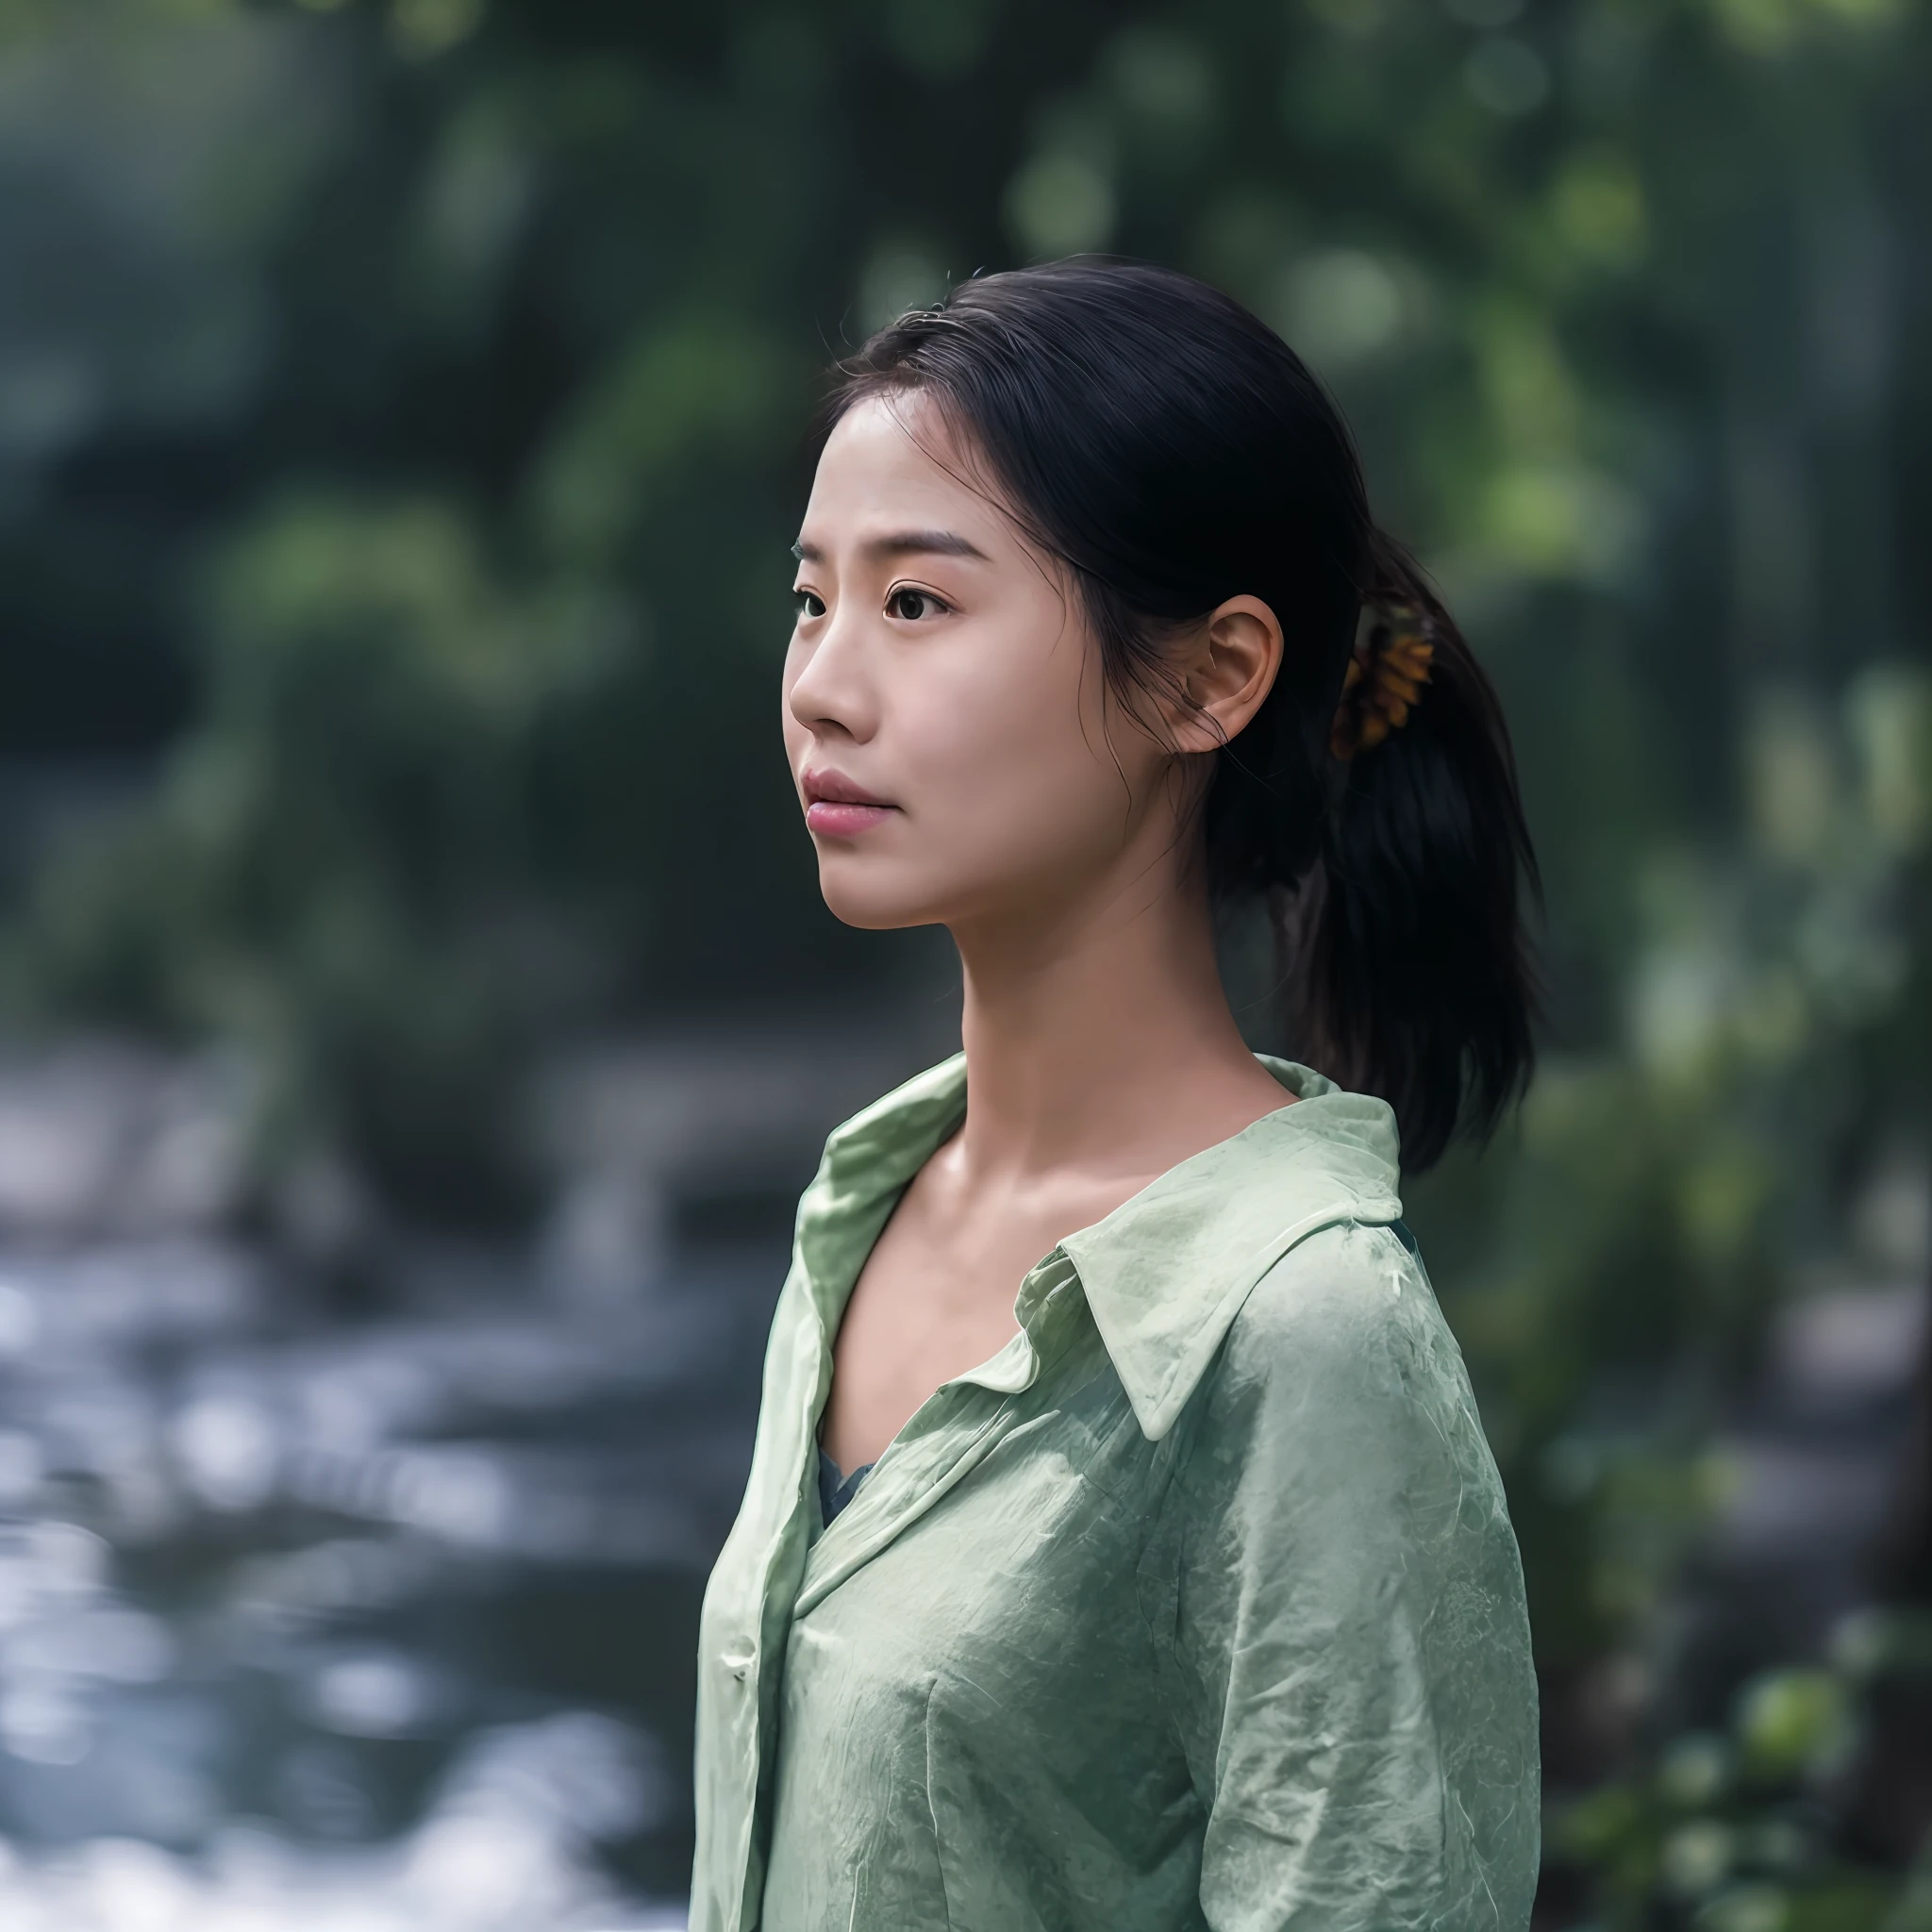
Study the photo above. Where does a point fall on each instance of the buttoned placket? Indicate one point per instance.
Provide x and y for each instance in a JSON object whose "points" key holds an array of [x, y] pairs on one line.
{"points": [[916, 1483]]}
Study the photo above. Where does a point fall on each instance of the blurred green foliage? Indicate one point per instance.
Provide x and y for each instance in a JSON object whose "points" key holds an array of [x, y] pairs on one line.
{"points": [[1729, 1830], [326, 872], [400, 438], [1666, 1190]]}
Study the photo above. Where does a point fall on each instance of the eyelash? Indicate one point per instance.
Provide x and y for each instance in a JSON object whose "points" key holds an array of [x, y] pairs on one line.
{"points": [[905, 590], [807, 604]]}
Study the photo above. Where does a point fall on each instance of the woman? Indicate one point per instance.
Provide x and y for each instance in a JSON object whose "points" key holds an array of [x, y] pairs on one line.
{"points": [[1177, 1592]]}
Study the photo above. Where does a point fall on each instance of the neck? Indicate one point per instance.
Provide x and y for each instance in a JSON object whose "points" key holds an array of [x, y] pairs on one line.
{"points": [[1100, 1027]]}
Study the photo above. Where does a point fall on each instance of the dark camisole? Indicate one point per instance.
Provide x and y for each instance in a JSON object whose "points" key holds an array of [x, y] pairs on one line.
{"points": [[836, 1489]]}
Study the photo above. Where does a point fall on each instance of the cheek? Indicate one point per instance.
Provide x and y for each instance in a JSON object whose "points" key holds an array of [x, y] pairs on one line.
{"points": [[1012, 765]]}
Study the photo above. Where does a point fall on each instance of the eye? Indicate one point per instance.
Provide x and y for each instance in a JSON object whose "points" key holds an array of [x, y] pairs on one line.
{"points": [[807, 604], [913, 605]]}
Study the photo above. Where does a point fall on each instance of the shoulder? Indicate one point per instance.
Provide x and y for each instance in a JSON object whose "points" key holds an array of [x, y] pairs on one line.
{"points": [[1353, 1292], [1342, 1341]]}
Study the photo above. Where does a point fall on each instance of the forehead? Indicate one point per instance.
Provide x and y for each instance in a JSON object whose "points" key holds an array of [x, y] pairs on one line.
{"points": [[894, 459]]}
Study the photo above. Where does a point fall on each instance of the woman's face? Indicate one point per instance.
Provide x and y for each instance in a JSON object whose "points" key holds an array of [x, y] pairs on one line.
{"points": [[953, 744]]}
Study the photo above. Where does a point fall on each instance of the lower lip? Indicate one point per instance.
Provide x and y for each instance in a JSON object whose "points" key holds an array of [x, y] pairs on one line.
{"points": [[833, 819]]}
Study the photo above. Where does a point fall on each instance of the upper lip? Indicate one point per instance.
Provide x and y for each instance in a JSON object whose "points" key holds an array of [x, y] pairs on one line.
{"points": [[837, 789]]}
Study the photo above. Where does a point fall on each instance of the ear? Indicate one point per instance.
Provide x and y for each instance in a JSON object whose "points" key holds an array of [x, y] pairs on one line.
{"points": [[1226, 667]]}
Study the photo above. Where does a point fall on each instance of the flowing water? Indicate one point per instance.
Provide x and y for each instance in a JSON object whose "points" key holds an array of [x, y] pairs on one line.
{"points": [[381, 1626]]}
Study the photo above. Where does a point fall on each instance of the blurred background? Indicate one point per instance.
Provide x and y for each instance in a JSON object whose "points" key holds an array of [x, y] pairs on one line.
{"points": [[417, 1014]]}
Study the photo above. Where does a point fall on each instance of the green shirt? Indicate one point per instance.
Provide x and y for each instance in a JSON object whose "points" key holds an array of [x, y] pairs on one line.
{"points": [[1197, 1605]]}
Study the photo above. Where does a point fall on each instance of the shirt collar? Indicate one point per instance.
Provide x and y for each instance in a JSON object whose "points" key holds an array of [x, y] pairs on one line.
{"points": [[1167, 1271]]}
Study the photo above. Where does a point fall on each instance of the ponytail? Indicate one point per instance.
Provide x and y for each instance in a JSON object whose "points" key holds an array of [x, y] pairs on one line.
{"points": [[1172, 452], [1407, 965]]}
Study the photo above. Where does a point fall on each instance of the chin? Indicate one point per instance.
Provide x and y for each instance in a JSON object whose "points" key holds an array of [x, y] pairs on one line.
{"points": [[875, 904]]}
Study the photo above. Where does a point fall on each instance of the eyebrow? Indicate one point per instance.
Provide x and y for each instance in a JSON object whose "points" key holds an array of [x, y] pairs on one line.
{"points": [[904, 543]]}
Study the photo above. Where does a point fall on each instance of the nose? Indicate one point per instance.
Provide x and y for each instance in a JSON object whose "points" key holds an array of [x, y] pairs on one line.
{"points": [[833, 695]]}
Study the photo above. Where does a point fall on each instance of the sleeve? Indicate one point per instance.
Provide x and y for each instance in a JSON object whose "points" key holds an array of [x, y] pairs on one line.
{"points": [[1349, 1659]]}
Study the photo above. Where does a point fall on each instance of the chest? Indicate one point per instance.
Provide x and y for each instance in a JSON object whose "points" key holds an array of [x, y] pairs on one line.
{"points": [[977, 1696], [1010, 1628]]}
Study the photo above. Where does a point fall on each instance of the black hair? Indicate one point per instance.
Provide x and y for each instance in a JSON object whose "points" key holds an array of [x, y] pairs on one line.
{"points": [[1172, 451]]}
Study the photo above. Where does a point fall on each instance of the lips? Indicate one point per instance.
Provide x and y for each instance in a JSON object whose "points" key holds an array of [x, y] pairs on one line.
{"points": [[835, 788], [837, 807]]}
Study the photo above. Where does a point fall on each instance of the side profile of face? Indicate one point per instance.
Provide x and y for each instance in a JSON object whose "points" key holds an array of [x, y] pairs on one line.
{"points": [[956, 750]]}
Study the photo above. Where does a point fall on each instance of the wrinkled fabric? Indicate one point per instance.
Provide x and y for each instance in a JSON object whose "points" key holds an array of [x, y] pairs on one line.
{"points": [[1197, 1605]]}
